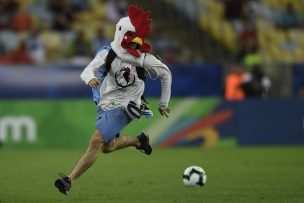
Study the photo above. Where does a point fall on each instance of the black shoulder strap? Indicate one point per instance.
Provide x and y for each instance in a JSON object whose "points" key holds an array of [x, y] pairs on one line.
{"points": [[141, 73], [110, 58]]}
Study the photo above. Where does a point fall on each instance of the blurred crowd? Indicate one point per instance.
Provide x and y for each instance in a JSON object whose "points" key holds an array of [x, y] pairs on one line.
{"points": [[62, 31], [258, 34], [268, 30], [41, 31], [254, 32], [247, 77], [44, 31], [245, 15]]}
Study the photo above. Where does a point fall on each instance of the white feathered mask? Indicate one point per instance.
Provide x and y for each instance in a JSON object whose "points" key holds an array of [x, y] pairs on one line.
{"points": [[129, 40]]}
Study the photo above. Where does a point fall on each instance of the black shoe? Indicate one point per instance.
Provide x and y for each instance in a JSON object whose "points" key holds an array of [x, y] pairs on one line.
{"points": [[63, 184], [144, 147]]}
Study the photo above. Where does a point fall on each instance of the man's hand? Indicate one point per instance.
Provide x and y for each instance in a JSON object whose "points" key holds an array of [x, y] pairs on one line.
{"points": [[164, 112], [94, 82]]}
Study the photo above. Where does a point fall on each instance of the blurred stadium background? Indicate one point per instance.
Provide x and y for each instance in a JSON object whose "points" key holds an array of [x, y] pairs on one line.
{"points": [[237, 98]]}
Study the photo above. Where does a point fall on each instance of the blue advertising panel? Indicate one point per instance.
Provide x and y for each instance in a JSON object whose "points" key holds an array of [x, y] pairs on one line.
{"points": [[270, 122], [298, 79], [191, 80], [64, 82]]}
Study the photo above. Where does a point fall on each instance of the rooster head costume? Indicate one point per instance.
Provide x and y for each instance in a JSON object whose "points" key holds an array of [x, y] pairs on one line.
{"points": [[129, 40]]}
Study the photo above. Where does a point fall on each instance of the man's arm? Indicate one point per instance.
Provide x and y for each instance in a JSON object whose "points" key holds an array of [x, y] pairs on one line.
{"points": [[157, 69], [87, 74]]}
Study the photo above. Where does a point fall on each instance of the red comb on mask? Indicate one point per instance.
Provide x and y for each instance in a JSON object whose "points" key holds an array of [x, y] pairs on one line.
{"points": [[140, 19]]}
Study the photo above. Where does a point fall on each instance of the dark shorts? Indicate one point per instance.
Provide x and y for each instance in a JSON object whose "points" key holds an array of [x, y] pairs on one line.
{"points": [[109, 123]]}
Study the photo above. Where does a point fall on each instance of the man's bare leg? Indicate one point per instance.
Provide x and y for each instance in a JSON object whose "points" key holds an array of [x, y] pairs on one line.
{"points": [[96, 144], [141, 143], [120, 143], [89, 157]]}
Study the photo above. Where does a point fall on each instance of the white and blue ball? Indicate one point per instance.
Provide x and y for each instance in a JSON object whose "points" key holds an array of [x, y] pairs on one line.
{"points": [[194, 176]]}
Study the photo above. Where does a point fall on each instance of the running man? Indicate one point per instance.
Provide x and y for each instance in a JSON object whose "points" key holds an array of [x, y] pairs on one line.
{"points": [[118, 73]]}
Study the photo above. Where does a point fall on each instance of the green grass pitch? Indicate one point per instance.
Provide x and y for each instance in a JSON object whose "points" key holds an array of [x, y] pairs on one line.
{"points": [[234, 174]]}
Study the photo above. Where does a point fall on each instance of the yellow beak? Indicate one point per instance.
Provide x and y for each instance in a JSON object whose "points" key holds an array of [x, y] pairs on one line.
{"points": [[138, 40]]}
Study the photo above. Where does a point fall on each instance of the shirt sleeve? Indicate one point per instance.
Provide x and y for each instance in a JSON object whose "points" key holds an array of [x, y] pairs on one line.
{"points": [[157, 69], [99, 60]]}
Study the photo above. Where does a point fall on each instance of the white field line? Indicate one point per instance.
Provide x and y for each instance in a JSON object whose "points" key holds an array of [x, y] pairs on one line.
{"points": [[158, 128]]}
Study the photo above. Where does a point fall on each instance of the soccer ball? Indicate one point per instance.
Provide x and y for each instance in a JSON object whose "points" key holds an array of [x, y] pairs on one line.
{"points": [[194, 176]]}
